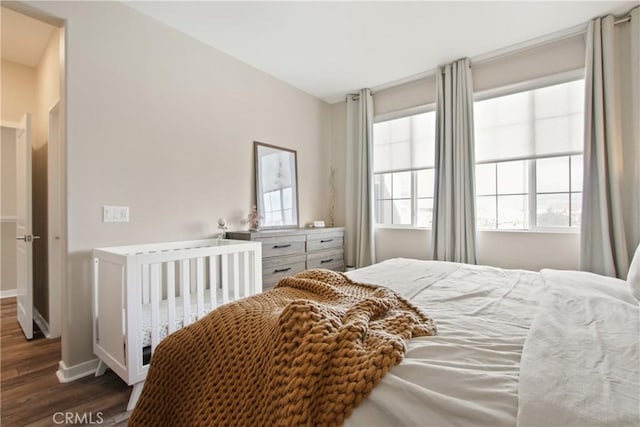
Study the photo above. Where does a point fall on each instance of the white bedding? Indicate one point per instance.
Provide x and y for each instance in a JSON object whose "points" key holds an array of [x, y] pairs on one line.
{"points": [[145, 331], [469, 374], [586, 342]]}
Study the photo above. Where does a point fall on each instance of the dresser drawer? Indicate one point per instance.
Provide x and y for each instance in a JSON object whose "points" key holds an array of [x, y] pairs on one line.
{"points": [[335, 265], [271, 276], [269, 264], [284, 245], [326, 259], [318, 242], [275, 269]]}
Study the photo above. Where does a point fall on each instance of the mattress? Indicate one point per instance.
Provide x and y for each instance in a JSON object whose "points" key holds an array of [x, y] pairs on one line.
{"points": [[489, 320], [145, 331]]}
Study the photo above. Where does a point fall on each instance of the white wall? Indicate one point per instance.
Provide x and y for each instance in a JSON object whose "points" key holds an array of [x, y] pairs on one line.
{"points": [[339, 157], [506, 249], [498, 248], [18, 91], [8, 209], [165, 125]]}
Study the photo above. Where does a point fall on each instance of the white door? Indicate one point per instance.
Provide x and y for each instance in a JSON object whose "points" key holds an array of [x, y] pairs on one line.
{"points": [[24, 242]]}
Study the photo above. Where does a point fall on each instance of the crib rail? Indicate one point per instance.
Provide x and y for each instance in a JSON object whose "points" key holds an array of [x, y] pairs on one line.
{"points": [[143, 293]]}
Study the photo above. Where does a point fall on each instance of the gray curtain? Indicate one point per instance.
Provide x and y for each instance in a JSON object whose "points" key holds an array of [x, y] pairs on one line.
{"points": [[454, 225], [359, 192], [610, 204]]}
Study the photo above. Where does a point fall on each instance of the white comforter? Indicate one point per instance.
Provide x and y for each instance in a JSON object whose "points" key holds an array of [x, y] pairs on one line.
{"points": [[469, 375], [581, 361]]}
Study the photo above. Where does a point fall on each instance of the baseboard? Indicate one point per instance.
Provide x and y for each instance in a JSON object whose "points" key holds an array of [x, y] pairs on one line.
{"points": [[41, 322], [66, 374], [9, 293]]}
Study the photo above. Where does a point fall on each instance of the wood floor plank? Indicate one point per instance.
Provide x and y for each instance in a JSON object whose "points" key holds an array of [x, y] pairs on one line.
{"points": [[30, 393]]}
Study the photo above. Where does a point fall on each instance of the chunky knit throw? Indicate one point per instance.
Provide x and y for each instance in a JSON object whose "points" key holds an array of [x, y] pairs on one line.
{"points": [[304, 353]]}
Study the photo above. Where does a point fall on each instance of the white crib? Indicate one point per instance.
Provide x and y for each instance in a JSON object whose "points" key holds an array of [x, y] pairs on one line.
{"points": [[142, 293]]}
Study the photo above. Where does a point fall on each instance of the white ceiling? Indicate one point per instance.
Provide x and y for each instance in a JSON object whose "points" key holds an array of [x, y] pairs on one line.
{"points": [[329, 49], [23, 38]]}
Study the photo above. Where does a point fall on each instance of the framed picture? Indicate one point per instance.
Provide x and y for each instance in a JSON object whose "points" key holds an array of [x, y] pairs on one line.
{"points": [[276, 174]]}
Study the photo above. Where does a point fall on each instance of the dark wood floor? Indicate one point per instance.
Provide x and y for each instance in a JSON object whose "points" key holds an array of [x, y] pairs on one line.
{"points": [[30, 393]]}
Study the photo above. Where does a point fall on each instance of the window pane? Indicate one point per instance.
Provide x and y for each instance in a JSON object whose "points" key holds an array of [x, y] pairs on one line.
{"points": [[553, 210], [552, 175], [512, 212], [425, 183], [503, 142], [486, 179], [559, 134], [383, 212], [407, 144], [486, 211], [380, 134], [402, 185], [402, 212], [382, 183], [533, 123], [423, 135], [513, 177], [425, 212], [400, 129], [576, 173], [381, 157], [399, 155], [502, 127], [560, 99], [404, 143], [576, 209]]}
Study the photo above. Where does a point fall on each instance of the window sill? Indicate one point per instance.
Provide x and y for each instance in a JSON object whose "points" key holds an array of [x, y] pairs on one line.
{"points": [[533, 231], [484, 230], [401, 227]]}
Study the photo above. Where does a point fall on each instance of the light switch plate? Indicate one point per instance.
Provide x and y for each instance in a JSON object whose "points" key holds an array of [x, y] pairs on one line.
{"points": [[115, 214]]}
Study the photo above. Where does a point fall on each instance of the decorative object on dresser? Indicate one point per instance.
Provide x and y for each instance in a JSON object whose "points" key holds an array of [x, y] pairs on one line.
{"points": [[254, 219], [276, 173], [332, 196], [222, 226], [287, 252]]}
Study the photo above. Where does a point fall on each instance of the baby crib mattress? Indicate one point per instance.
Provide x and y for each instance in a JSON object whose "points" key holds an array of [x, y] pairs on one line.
{"points": [[179, 316]]}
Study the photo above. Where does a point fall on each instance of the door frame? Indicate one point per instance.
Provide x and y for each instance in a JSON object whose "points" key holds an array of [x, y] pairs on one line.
{"points": [[56, 184], [55, 220]]}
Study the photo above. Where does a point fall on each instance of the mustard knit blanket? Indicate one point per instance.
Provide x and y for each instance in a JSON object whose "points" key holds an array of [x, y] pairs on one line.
{"points": [[304, 353]]}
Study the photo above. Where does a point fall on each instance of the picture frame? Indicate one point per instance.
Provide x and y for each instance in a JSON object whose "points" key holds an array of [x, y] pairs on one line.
{"points": [[276, 185]]}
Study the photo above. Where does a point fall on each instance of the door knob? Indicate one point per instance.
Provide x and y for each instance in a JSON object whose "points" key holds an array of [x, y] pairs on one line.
{"points": [[28, 238]]}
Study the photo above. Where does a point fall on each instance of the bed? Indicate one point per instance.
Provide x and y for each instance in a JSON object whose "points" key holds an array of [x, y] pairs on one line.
{"points": [[513, 348]]}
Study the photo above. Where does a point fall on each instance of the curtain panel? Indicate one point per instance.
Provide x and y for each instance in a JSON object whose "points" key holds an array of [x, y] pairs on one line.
{"points": [[610, 229], [360, 192], [454, 225]]}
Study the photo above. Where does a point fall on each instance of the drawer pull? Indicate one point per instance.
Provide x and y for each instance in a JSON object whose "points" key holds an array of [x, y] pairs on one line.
{"points": [[280, 246], [281, 270], [324, 261], [326, 241]]}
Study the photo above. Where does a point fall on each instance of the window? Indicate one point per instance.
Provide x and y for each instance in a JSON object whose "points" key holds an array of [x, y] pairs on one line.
{"points": [[529, 158], [403, 157]]}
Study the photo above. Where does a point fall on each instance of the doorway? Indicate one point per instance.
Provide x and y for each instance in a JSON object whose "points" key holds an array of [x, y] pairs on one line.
{"points": [[33, 82]]}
